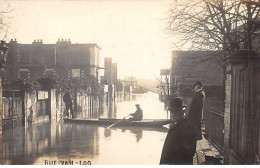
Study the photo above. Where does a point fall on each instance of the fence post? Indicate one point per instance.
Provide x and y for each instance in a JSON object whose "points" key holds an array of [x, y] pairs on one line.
{"points": [[1, 113], [1, 110]]}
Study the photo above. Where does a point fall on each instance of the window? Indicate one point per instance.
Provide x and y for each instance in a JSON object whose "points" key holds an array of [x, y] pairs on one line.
{"points": [[75, 73]]}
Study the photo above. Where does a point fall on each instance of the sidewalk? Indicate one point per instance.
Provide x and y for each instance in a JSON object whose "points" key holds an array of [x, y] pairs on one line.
{"points": [[206, 154]]}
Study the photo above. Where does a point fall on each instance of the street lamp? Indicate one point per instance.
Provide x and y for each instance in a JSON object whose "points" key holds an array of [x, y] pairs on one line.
{"points": [[3, 53]]}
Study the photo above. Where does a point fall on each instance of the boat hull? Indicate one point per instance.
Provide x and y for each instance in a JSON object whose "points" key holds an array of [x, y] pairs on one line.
{"points": [[106, 122]]}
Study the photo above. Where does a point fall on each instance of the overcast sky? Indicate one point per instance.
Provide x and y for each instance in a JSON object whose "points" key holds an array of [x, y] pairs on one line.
{"points": [[129, 31]]}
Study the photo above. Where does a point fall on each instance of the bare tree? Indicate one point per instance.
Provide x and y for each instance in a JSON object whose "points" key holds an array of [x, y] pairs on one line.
{"points": [[5, 11], [218, 25]]}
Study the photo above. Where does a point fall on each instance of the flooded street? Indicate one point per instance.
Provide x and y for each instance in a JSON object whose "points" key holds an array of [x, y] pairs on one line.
{"points": [[53, 143]]}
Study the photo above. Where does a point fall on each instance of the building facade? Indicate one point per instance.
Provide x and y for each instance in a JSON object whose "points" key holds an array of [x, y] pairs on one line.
{"points": [[187, 67], [110, 79], [64, 59]]}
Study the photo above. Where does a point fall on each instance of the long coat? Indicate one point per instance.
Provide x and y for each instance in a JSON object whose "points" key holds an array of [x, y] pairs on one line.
{"points": [[180, 144], [196, 110]]}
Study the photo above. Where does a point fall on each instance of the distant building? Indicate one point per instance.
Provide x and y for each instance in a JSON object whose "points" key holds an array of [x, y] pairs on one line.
{"points": [[110, 79], [63, 59], [190, 66], [108, 71]]}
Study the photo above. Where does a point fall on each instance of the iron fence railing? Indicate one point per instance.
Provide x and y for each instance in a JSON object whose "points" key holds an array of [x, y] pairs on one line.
{"points": [[214, 126]]}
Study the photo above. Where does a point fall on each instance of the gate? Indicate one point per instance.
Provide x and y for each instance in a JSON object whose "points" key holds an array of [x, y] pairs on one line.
{"points": [[12, 107], [43, 104]]}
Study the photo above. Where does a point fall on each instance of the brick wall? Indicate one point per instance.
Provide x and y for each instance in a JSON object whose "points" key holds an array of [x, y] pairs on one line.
{"points": [[30, 106]]}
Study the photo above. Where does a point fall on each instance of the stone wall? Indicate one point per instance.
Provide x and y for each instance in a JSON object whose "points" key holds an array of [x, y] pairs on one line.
{"points": [[30, 107], [53, 106], [87, 106], [60, 106]]}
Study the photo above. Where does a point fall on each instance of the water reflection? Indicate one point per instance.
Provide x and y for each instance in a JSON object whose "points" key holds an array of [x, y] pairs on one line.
{"points": [[107, 133], [80, 142], [138, 135], [24, 146]]}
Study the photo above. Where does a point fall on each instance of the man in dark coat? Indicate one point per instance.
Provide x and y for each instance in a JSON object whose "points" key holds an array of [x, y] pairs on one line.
{"points": [[196, 108], [180, 143], [138, 115], [68, 103]]}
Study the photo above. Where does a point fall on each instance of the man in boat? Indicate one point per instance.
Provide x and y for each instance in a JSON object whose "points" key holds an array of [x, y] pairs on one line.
{"points": [[68, 103], [180, 143], [196, 108], [138, 115]]}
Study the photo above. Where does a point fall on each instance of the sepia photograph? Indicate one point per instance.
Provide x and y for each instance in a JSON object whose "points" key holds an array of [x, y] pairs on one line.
{"points": [[129, 82]]}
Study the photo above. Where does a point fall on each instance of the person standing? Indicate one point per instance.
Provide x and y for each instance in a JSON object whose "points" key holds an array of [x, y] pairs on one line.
{"points": [[68, 104], [138, 115], [196, 108], [180, 143]]}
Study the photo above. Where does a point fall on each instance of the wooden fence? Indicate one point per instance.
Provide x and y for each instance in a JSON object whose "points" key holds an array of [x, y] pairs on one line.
{"points": [[12, 109]]}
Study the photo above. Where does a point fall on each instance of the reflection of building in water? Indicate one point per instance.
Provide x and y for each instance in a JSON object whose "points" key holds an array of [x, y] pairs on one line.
{"points": [[110, 109], [84, 140], [107, 132], [37, 143], [13, 142]]}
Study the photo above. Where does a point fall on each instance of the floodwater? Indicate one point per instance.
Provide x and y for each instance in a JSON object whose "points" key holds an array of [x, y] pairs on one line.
{"points": [[79, 144]]}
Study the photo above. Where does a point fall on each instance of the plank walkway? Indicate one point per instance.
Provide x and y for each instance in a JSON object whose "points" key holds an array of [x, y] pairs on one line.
{"points": [[206, 154]]}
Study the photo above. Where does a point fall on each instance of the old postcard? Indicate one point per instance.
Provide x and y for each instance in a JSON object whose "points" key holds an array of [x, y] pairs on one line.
{"points": [[129, 82]]}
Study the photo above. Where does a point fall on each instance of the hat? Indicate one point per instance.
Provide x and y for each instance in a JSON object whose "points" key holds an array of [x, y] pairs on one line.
{"points": [[137, 105], [198, 83], [176, 102]]}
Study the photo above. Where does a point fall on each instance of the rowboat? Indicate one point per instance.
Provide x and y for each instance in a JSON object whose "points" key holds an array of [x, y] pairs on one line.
{"points": [[106, 122]]}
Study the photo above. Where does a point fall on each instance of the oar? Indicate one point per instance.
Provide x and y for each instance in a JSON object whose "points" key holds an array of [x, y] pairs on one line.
{"points": [[117, 122]]}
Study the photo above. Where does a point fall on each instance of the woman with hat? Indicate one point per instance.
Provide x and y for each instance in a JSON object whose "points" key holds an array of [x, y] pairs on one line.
{"points": [[180, 143]]}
